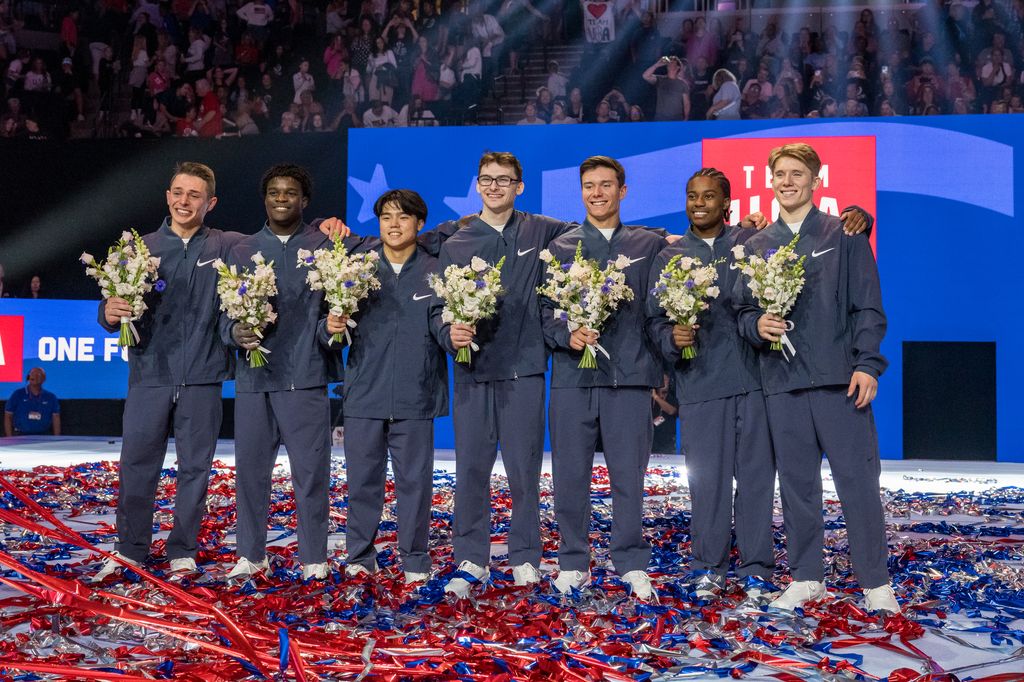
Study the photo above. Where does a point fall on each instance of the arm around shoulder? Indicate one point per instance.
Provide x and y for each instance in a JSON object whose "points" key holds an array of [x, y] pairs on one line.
{"points": [[856, 220], [433, 240]]}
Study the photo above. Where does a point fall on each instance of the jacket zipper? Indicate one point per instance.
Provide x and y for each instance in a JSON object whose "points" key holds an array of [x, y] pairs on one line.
{"points": [[184, 334], [284, 253], [394, 340]]}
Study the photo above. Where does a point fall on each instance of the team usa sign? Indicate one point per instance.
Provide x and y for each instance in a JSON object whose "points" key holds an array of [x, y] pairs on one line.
{"points": [[847, 173]]}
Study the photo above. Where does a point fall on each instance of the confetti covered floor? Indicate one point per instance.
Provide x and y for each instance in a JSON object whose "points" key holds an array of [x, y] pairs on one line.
{"points": [[956, 557]]}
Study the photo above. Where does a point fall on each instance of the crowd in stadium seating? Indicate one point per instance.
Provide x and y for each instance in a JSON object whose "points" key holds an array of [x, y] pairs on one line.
{"points": [[207, 68]]}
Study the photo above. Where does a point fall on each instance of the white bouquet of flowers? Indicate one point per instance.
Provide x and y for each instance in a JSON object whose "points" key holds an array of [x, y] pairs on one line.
{"points": [[244, 297], [683, 290], [585, 294], [775, 280], [129, 272], [345, 279], [470, 294]]}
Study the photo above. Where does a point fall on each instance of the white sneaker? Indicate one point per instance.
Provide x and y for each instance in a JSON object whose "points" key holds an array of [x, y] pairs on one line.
{"points": [[412, 577], [316, 571], [881, 598], [246, 569], [525, 574], [183, 565], [109, 566], [356, 570], [459, 586], [799, 593], [640, 585], [567, 581]]}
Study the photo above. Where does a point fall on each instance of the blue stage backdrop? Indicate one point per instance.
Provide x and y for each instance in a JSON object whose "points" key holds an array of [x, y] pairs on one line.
{"points": [[944, 190]]}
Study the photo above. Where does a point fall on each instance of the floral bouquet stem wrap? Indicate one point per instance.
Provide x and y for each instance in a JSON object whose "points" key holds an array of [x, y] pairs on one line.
{"points": [[683, 290], [244, 296], [470, 294], [775, 280], [344, 278], [585, 295], [129, 272]]}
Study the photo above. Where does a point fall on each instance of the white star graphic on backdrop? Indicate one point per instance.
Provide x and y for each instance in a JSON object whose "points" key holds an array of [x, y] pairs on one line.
{"points": [[467, 204], [369, 191]]}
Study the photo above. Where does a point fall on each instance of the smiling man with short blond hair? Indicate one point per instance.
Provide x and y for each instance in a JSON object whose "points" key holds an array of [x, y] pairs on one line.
{"points": [[819, 390]]}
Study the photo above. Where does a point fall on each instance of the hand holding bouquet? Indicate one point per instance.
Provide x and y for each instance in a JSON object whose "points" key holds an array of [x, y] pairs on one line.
{"points": [[585, 295], [683, 290], [345, 279], [470, 294], [775, 280], [244, 297], [129, 272]]}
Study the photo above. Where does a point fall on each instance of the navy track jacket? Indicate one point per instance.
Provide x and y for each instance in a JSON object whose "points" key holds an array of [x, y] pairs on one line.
{"points": [[298, 341], [838, 320], [726, 365], [512, 342], [395, 367], [634, 360], [179, 341]]}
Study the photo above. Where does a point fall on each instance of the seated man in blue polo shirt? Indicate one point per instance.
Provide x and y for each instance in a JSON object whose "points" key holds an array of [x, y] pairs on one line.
{"points": [[32, 411]]}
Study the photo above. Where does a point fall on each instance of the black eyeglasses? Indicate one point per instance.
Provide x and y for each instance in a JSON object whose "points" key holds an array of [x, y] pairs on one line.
{"points": [[500, 181]]}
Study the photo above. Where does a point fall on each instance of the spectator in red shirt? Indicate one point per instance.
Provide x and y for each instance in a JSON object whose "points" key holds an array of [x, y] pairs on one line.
{"points": [[186, 126], [69, 32], [210, 122]]}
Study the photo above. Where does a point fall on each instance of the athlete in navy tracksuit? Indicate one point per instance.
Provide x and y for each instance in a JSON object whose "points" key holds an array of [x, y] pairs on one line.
{"points": [[175, 374], [396, 382], [721, 405], [612, 401], [819, 399], [286, 400], [499, 396]]}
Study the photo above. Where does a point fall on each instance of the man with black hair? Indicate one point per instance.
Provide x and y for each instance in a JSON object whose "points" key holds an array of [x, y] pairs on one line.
{"points": [[396, 383], [721, 406], [286, 400]]}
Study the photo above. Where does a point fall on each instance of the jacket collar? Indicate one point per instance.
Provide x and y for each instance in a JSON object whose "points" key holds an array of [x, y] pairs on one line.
{"points": [[692, 237], [810, 225], [268, 234], [166, 231], [589, 230], [511, 229], [385, 265]]}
